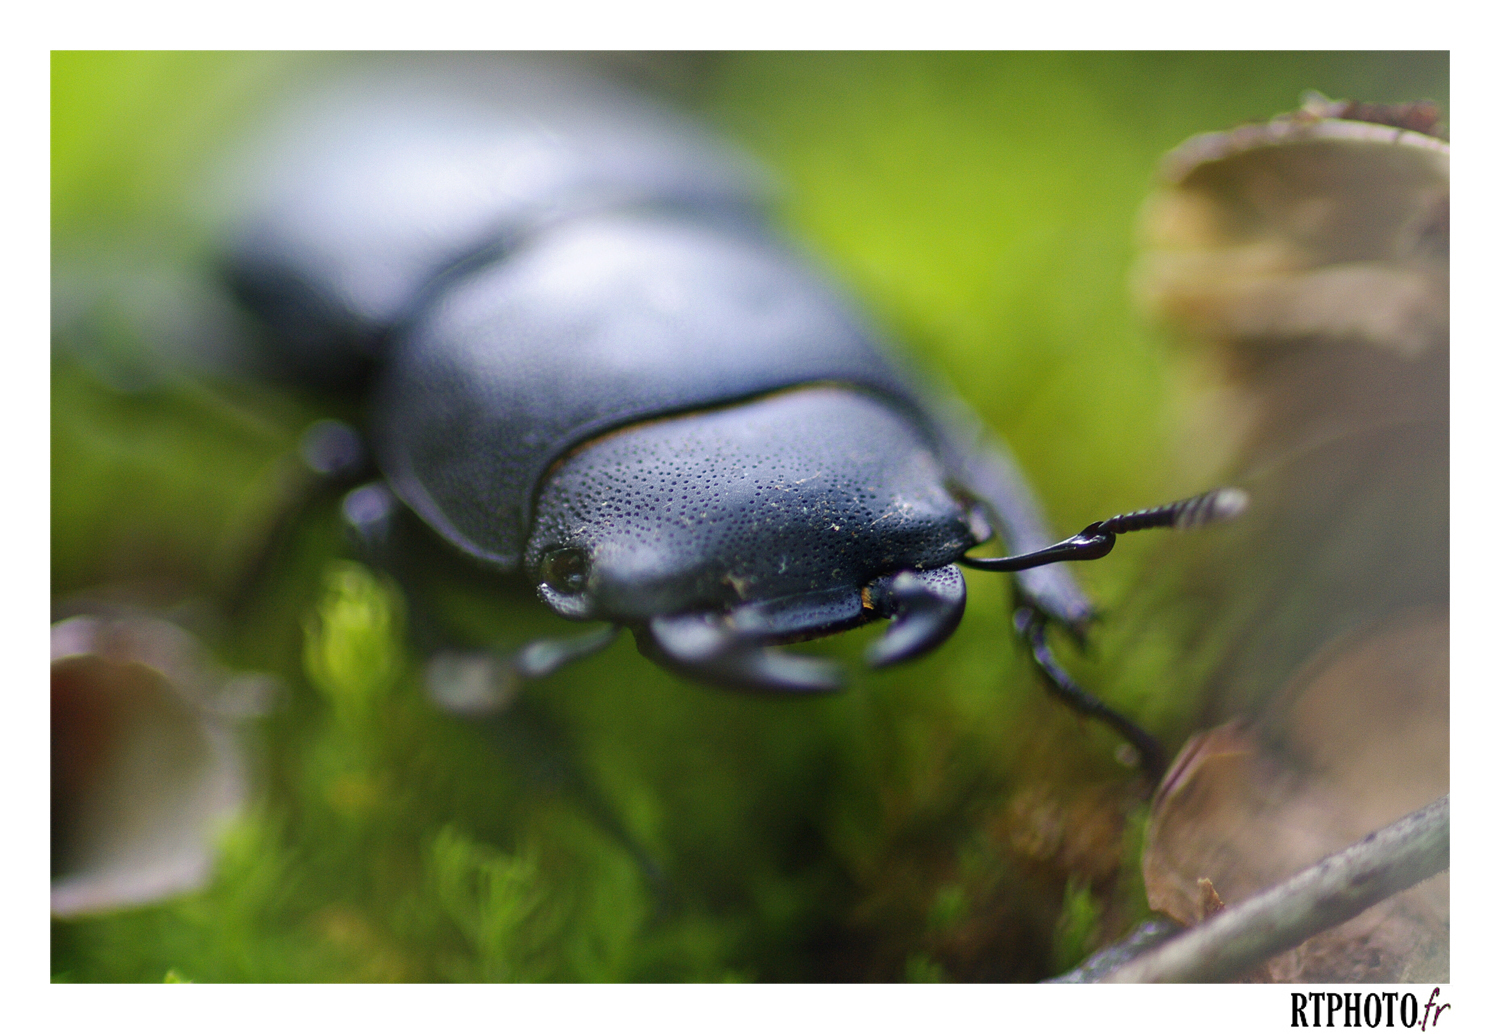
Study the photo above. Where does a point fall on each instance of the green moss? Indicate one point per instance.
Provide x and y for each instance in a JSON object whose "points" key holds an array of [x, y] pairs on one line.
{"points": [[619, 823], [352, 643], [1077, 927]]}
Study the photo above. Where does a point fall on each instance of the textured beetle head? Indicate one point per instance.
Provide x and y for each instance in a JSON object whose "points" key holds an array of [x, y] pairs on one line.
{"points": [[774, 517]]}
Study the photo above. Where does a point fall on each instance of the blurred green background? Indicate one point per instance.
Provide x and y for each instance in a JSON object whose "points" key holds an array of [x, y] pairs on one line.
{"points": [[944, 820]]}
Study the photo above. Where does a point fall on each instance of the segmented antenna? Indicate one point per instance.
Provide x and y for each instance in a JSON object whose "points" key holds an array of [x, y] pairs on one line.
{"points": [[1222, 504], [1091, 543], [1098, 539]]}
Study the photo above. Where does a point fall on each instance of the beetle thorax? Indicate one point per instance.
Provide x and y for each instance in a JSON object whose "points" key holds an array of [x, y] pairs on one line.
{"points": [[812, 492]]}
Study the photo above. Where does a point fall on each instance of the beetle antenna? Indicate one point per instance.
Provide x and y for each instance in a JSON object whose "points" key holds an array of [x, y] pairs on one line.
{"points": [[1095, 541], [1222, 504], [1032, 625]]}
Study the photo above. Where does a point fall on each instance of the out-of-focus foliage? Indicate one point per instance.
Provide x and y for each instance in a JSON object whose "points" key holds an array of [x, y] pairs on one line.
{"points": [[1362, 739], [941, 821]]}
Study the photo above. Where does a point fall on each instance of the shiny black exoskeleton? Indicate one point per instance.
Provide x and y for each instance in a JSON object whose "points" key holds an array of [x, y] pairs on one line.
{"points": [[590, 360]]}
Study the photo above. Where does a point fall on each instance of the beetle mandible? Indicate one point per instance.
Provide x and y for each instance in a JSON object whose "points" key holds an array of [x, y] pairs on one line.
{"points": [[589, 359]]}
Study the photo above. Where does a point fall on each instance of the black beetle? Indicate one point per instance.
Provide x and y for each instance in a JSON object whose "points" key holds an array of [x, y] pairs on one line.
{"points": [[590, 359]]}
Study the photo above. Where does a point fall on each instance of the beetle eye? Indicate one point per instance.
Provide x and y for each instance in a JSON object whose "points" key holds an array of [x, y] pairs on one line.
{"points": [[566, 570]]}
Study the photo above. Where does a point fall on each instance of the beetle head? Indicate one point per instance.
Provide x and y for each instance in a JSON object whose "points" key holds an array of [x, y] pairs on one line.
{"points": [[776, 520]]}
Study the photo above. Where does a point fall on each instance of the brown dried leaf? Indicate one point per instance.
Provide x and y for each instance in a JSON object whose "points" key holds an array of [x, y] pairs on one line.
{"points": [[1205, 821], [1288, 249], [1359, 739], [143, 772], [1209, 902]]}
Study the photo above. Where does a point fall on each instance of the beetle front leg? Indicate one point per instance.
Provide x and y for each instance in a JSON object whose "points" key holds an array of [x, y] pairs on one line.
{"points": [[1046, 592], [1031, 625], [479, 683], [483, 686], [1093, 542]]}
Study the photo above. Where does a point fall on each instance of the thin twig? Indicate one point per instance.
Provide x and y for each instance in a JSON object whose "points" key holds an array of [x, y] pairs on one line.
{"points": [[1341, 886]]}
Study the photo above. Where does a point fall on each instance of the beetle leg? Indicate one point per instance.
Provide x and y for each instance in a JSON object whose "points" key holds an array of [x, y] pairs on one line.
{"points": [[380, 537], [539, 659], [984, 465], [475, 683], [1032, 626], [329, 457], [483, 686], [332, 449], [702, 646], [1089, 544], [925, 607], [368, 512]]}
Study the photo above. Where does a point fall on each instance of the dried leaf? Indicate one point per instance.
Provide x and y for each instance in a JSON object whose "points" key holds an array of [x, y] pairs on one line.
{"points": [[1360, 740], [144, 772], [1209, 902], [1286, 250]]}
